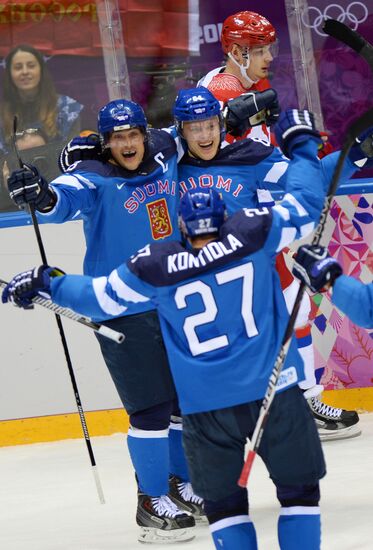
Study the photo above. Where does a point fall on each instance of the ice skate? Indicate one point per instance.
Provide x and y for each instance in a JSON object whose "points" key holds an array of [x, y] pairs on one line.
{"points": [[162, 522], [182, 494], [334, 423]]}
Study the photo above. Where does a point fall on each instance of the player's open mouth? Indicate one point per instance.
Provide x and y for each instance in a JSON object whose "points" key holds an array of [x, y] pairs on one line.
{"points": [[129, 154], [206, 145]]}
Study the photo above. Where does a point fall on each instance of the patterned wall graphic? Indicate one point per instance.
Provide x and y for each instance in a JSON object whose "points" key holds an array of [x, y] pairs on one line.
{"points": [[343, 351]]}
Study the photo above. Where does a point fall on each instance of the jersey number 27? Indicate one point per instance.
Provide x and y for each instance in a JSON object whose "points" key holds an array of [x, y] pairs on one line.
{"points": [[244, 272]]}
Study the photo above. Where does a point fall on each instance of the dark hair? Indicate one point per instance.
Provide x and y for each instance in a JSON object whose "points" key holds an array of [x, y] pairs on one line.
{"points": [[43, 109]]}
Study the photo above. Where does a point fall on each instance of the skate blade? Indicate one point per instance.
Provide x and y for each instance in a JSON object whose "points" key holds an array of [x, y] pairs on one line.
{"points": [[343, 433], [150, 535]]}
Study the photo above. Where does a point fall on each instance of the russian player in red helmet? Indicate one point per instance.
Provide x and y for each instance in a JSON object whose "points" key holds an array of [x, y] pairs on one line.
{"points": [[249, 42]]}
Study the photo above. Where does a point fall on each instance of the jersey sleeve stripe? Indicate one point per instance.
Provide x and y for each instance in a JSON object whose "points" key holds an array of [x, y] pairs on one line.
{"points": [[282, 211], [276, 172], [107, 304], [124, 291], [288, 235], [68, 180], [297, 205]]}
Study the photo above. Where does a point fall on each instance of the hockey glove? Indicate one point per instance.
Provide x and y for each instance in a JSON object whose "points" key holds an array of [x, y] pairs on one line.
{"points": [[27, 285], [27, 186], [294, 127], [80, 148], [251, 109], [361, 154], [315, 267]]}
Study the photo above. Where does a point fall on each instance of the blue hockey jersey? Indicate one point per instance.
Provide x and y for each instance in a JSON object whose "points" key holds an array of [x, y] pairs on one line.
{"points": [[121, 210], [221, 308], [245, 173]]}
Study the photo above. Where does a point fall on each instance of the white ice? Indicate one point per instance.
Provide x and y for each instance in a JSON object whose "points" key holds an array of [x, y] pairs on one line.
{"points": [[48, 498]]}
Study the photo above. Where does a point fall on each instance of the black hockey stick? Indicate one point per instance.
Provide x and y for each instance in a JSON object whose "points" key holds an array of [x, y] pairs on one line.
{"points": [[355, 129], [63, 337], [351, 38], [69, 314]]}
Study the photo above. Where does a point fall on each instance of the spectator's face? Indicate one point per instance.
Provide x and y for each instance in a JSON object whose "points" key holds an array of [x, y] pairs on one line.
{"points": [[28, 141], [25, 72], [202, 137], [127, 148]]}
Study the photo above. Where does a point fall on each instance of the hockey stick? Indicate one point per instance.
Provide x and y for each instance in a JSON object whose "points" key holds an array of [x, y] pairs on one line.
{"points": [[355, 129], [65, 312], [63, 337], [351, 38]]}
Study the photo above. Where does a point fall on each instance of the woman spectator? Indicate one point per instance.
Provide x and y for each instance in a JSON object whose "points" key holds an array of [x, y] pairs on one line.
{"points": [[29, 93]]}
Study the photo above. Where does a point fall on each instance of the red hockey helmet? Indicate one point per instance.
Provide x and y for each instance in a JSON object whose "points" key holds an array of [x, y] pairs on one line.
{"points": [[247, 29]]}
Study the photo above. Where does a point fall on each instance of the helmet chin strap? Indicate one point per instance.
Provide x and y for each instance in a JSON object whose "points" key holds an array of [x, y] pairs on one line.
{"points": [[243, 68]]}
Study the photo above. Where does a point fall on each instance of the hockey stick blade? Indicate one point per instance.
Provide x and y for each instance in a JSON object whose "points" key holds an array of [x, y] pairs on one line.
{"points": [[354, 130], [117, 337], [351, 38]]}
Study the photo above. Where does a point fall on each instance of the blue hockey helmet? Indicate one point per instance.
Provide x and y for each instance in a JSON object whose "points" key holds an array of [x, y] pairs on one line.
{"points": [[196, 104], [201, 211], [120, 114]]}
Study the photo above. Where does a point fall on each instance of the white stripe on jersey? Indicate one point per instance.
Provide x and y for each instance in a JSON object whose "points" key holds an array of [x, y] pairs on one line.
{"points": [[284, 212], [68, 179], [297, 205], [124, 291], [276, 171], [107, 304], [205, 80], [300, 511], [306, 229], [288, 235]]}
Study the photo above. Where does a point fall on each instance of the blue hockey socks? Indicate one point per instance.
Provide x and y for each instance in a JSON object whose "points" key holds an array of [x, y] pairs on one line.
{"points": [[149, 450], [234, 532], [299, 527], [178, 464]]}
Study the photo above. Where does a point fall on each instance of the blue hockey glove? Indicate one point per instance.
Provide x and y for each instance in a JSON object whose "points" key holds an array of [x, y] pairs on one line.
{"points": [[251, 109], [27, 186], [295, 126], [361, 154], [27, 285], [80, 148], [316, 268]]}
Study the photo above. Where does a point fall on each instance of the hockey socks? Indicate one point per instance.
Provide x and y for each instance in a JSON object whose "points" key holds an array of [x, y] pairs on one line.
{"points": [[178, 464], [234, 532], [149, 452], [299, 527]]}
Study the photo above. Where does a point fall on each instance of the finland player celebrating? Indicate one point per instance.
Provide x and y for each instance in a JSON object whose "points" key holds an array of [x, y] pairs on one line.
{"points": [[209, 293], [129, 198], [244, 172]]}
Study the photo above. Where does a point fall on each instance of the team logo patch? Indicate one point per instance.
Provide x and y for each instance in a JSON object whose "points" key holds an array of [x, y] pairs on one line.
{"points": [[160, 220]]}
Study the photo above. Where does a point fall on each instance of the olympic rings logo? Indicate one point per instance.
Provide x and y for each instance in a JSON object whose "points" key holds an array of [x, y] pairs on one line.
{"points": [[355, 13]]}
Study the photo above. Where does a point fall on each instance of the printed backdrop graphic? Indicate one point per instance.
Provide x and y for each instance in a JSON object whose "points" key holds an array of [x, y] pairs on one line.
{"points": [[344, 351]]}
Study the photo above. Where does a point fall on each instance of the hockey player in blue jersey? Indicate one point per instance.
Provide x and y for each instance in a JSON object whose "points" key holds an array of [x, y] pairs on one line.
{"points": [[126, 199], [320, 272], [209, 293], [127, 196], [244, 173]]}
